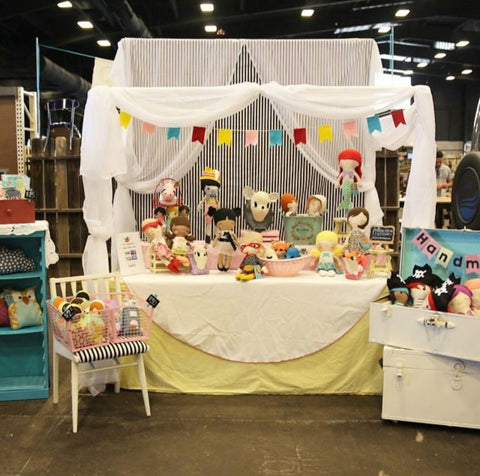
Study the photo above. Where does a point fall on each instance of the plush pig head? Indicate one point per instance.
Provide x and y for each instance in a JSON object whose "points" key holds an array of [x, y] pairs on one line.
{"points": [[258, 211]]}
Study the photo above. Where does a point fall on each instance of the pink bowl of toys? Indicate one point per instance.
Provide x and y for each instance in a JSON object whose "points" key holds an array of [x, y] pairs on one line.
{"points": [[286, 267]]}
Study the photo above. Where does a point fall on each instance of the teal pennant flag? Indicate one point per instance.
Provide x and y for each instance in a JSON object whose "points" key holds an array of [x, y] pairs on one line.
{"points": [[275, 137], [173, 133], [374, 124]]}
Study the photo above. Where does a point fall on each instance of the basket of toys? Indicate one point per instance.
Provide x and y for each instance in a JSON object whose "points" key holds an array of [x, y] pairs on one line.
{"points": [[287, 266], [81, 322]]}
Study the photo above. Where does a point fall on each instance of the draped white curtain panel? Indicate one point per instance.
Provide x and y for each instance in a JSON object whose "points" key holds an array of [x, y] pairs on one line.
{"points": [[109, 151]]}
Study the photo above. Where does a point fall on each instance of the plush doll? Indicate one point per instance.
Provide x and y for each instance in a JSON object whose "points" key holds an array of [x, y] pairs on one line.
{"points": [[161, 215], [257, 210], [289, 204], [179, 238], [460, 301], [157, 246], [184, 211], [210, 184], [399, 294], [225, 240], [198, 259], [420, 283], [327, 251], [440, 296], [355, 265], [316, 205], [281, 248], [474, 286], [349, 177], [357, 240], [169, 196], [251, 266]]}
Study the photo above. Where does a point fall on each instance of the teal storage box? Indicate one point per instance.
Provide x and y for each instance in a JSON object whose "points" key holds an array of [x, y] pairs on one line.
{"points": [[302, 230]]}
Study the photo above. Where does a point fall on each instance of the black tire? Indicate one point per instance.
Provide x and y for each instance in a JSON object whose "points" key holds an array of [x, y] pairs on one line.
{"points": [[466, 192]]}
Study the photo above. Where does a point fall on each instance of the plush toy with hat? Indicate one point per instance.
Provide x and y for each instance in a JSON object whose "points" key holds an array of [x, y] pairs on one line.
{"points": [[316, 205], [349, 177], [441, 295], [474, 286], [210, 184], [461, 300], [420, 283], [399, 294]]}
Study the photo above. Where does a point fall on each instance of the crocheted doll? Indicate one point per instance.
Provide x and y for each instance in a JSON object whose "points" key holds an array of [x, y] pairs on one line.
{"points": [[225, 240], [349, 177]]}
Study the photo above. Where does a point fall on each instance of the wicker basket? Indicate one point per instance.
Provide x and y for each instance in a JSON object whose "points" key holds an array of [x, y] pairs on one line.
{"points": [[125, 318]]}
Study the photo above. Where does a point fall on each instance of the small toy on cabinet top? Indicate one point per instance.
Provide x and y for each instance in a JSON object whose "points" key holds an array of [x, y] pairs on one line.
{"points": [[316, 205], [251, 266], [210, 183], [349, 177], [258, 209], [357, 240], [399, 294], [328, 252], [289, 204], [225, 240]]}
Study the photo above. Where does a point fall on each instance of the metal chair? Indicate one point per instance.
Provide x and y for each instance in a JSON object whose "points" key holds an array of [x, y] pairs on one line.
{"points": [[61, 113], [82, 361]]}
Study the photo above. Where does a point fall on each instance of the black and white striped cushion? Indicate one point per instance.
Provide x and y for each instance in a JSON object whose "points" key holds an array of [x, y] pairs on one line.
{"points": [[111, 351]]}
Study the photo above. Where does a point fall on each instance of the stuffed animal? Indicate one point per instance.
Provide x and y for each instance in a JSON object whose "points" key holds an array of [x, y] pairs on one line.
{"points": [[292, 252], [281, 248], [167, 195], [460, 301], [225, 240], [440, 296], [399, 294], [251, 266], [289, 204], [355, 265], [327, 251], [474, 286], [357, 240], [210, 184], [198, 259], [258, 209], [23, 308], [349, 176]]}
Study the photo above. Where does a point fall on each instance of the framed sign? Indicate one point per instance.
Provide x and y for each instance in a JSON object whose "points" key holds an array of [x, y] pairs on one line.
{"points": [[130, 254], [382, 234]]}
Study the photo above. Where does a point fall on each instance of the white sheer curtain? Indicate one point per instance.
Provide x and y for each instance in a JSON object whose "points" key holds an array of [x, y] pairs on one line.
{"points": [[106, 154]]}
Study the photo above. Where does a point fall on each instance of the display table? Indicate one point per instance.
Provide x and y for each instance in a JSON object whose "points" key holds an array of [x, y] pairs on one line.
{"points": [[304, 334]]}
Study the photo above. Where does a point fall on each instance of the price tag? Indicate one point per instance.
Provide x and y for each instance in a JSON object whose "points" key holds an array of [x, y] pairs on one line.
{"points": [[30, 195], [69, 313], [153, 301]]}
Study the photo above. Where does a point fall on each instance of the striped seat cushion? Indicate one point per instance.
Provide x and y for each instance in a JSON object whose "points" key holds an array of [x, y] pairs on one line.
{"points": [[111, 351]]}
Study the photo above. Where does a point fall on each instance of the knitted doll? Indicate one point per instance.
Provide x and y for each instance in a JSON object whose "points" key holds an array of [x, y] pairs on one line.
{"points": [[225, 240], [349, 177]]}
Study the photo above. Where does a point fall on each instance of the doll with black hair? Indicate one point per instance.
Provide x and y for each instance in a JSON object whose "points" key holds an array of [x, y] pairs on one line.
{"points": [[225, 240]]}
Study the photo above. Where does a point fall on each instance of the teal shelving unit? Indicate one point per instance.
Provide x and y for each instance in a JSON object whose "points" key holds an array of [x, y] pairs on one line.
{"points": [[24, 365]]}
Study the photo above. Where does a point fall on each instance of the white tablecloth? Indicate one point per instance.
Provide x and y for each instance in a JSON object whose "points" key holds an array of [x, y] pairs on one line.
{"points": [[272, 319]]}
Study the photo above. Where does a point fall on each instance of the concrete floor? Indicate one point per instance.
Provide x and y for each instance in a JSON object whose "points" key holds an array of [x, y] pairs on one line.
{"points": [[225, 435]]}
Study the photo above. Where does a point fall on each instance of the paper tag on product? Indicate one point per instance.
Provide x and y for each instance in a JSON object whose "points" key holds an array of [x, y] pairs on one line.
{"points": [[129, 251]]}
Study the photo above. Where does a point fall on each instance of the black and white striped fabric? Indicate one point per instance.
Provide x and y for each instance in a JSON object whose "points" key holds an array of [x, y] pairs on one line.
{"points": [[111, 351]]}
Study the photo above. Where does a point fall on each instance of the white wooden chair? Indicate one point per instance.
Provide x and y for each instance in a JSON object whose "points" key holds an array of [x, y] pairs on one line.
{"points": [[94, 284]]}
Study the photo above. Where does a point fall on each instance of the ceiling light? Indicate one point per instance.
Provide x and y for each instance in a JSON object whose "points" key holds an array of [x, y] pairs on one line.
{"points": [[467, 71], [462, 43], [352, 29], [444, 45], [423, 64], [440, 55], [384, 29], [408, 72], [402, 12], [86, 25], [206, 7], [450, 77], [103, 43], [307, 12], [210, 28], [64, 5]]}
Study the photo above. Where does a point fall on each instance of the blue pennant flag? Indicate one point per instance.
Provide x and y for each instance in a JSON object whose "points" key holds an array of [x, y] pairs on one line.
{"points": [[275, 137], [173, 133], [374, 124]]}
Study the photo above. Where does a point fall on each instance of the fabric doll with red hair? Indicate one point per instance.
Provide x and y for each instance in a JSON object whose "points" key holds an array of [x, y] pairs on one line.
{"points": [[289, 204], [349, 177]]}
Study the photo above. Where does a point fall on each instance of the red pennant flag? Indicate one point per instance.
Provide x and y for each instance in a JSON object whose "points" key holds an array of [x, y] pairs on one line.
{"points": [[398, 117], [300, 135], [198, 134]]}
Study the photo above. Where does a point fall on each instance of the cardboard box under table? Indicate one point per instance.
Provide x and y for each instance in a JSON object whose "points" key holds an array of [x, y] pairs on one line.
{"points": [[419, 341]]}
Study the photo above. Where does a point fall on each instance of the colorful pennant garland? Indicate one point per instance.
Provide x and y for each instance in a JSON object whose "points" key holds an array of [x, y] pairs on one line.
{"points": [[275, 136]]}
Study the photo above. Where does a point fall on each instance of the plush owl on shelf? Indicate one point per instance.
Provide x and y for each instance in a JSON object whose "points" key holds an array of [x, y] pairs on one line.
{"points": [[23, 308]]}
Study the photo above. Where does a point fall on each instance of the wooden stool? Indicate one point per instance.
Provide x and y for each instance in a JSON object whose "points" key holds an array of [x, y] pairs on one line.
{"points": [[384, 266], [342, 228]]}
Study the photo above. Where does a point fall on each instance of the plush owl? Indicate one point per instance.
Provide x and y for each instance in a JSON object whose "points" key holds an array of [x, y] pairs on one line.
{"points": [[23, 308]]}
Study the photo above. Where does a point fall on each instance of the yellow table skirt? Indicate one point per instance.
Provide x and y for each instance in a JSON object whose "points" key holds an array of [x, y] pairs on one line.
{"points": [[348, 366]]}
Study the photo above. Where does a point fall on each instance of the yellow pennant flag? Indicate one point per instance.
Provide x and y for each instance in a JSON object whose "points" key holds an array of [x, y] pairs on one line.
{"points": [[224, 137], [325, 133], [125, 119]]}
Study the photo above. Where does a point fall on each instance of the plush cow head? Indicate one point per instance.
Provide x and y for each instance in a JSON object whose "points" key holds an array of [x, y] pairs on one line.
{"points": [[260, 202]]}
